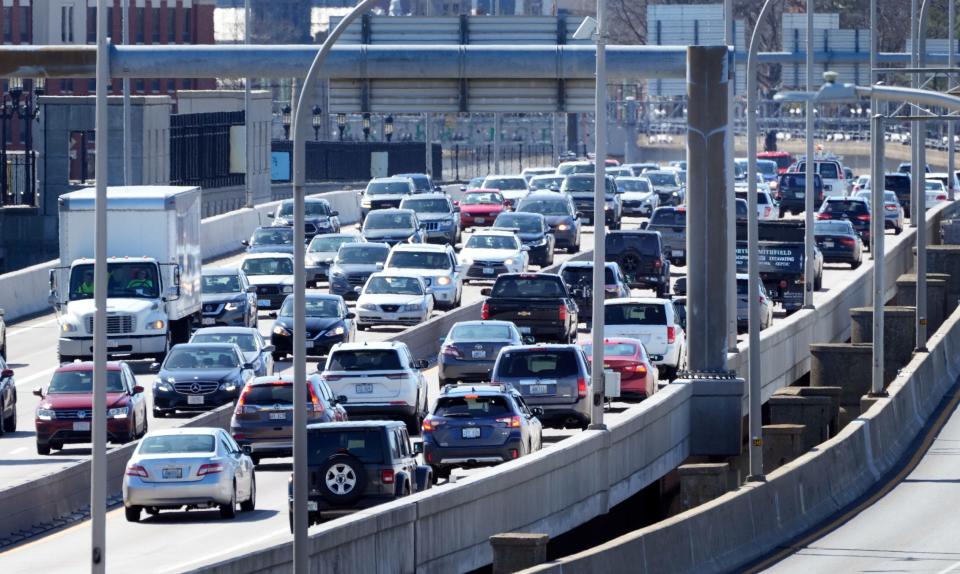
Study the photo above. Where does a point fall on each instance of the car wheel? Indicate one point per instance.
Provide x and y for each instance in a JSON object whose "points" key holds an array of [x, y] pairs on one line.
{"points": [[278, 356], [132, 513], [158, 413], [855, 264], [250, 503], [146, 424], [10, 423], [229, 510], [255, 459], [898, 231], [43, 449], [3, 350], [4, 421], [56, 445], [342, 479]]}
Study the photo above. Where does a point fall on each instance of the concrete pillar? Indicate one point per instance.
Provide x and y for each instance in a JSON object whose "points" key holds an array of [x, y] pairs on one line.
{"points": [[936, 296], [515, 551], [946, 259], [703, 482], [899, 336], [781, 444], [846, 366], [812, 413], [949, 232], [832, 393]]}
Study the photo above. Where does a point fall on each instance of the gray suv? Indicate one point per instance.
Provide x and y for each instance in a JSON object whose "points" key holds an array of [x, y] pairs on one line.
{"points": [[357, 465], [438, 214], [671, 222], [555, 378], [353, 265]]}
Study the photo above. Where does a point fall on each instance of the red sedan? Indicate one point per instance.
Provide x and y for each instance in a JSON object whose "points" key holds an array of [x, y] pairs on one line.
{"points": [[638, 375], [480, 207]]}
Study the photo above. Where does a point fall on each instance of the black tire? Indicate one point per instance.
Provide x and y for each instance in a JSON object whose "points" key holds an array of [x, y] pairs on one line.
{"points": [[43, 449], [255, 459], [440, 473], [159, 414], [277, 357], [345, 473], [668, 373], [10, 423], [783, 212], [855, 264], [250, 504], [3, 423], [132, 513], [56, 445], [660, 291], [3, 350], [229, 510], [898, 231]]}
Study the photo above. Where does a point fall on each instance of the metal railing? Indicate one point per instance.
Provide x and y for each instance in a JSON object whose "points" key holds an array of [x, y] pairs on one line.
{"points": [[462, 161], [18, 172], [200, 149]]}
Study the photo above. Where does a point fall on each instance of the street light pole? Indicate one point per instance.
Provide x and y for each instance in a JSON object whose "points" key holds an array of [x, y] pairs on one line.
{"points": [[753, 284], [599, 218], [247, 121], [127, 121], [808, 265], [301, 558], [877, 242], [731, 279], [919, 171], [951, 80]]}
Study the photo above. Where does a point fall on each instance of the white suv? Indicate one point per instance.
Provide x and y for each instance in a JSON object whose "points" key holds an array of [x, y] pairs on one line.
{"points": [[653, 321], [381, 380], [436, 265]]}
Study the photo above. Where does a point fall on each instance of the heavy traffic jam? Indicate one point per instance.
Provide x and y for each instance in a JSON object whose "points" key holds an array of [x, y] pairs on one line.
{"points": [[220, 334]]}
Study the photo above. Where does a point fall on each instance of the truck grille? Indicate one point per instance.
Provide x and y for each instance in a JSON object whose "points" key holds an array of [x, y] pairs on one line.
{"points": [[196, 387], [385, 204], [268, 290], [116, 324]]}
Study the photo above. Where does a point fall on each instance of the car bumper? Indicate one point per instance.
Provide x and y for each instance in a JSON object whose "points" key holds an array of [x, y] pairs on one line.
{"points": [[405, 318], [637, 208], [379, 411], [558, 415], [565, 238], [279, 447], [174, 401], [491, 273], [466, 371], [442, 235], [473, 456], [62, 431], [443, 293], [317, 272], [236, 317], [136, 346], [212, 489], [315, 347]]}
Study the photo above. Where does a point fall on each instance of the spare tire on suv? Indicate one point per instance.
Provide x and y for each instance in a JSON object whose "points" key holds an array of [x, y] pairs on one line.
{"points": [[342, 479]]}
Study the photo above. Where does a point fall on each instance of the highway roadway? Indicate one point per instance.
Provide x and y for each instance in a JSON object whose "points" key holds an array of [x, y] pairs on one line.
{"points": [[912, 528]]}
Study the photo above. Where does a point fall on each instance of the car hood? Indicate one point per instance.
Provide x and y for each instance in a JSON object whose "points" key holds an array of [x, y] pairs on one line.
{"points": [[439, 216], [78, 401], [389, 299], [270, 279], [666, 188], [188, 375], [356, 268], [530, 237], [270, 249], [313, 323], [386, 197], [320, 256], [373, 234], [222, 297], [554, 220], [83, 307], [487, 254], [637, 195]]}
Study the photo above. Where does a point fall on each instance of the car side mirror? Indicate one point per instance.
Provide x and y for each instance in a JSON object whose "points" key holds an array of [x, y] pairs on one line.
{"points": [[379, 266], [458, 246], [486, 291], [456, 208], [421, 364], [528, 339], [270, 215], [6, 373], [456, 202], [38, 391], [248, 366], [644, 224], [2, 312], [245, 243], [537, 411], [351, 316], [269, 348], [154, 367], [246, 449], [251, 288], [341, 399], [418, 448], [272, 314], [334, 214], [463, 188], [437, 188], [524, 248], [137, 389], [357, 289], [358, 226]]}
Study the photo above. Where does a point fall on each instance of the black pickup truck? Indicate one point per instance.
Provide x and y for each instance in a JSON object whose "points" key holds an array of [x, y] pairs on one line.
{"points": [[537, 303], [780, 258]]}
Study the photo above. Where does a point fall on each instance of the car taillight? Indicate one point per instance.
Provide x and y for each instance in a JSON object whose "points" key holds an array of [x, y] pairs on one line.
{"points": [[824, 216], [137, 470], [512, 422], [562, 312], [514, 453], [766, 211], [331, 378], [641, 370], [890, 207], [315, 405], [582, 387], [658, 264], [864, 217], [431, 424], [211, 468], [849, 242], [671, 334], [941, 198], [386, 476], [485, 311], [241, 408], [783, 283], [451, 351]]}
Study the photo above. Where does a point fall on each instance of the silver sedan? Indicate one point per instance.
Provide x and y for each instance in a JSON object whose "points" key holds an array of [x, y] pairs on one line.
{"points": [[188, 467]]}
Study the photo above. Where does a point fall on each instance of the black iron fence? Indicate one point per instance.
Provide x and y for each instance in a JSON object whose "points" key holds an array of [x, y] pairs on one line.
{"points": [[200, 149], [353, 161], [465, 161], [18, 179]]}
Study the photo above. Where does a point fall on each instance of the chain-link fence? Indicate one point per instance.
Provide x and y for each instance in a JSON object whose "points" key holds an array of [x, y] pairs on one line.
{"points": [[462, 162]]}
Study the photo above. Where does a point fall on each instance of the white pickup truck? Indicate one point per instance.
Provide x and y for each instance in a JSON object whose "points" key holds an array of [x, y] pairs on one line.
{"points": [[654, 322]]}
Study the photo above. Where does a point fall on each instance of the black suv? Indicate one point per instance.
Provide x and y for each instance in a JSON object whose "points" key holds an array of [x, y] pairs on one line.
{"points": [[792, 189], [899, 183], [357, 465], [641, 258]]}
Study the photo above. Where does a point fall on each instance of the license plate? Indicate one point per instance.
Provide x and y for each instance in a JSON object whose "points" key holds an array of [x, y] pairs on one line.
{"points": [[169, 473], [479, 220], [801, 194], [538, 389], [364, 388], [488, 270], [524, 330], [470, 432], [83, 426], [478, 354], [678, 253], [195, 400], [263, 302], [828, 243], [208, 321], [278, 416], [311, 506], [113, 344]]}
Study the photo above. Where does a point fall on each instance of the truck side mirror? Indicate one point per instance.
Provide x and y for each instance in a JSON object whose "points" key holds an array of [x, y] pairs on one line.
{"points": [[334, 213], [38, 391], [418, 448], [270, 215]]}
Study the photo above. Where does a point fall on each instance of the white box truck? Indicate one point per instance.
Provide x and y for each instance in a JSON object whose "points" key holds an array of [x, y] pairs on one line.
{"points": [[153, 261]]}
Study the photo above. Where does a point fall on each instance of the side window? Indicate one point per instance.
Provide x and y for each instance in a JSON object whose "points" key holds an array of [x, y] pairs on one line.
{"points": [[403, 442], [394, 447], [225, 444]]}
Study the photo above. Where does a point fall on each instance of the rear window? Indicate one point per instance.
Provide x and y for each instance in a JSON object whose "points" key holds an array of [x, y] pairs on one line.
{"points": [[472, 406], [538, 364], [669, 217], [635, 314], [899, 184], [828, 170], [270, 394], [845, 207], [798, 182], [181, 443], [365, 360], [481, 332], [833, 227], [366, 445], [762, 198], [645, 243], [742, 286], [541, 286], [742, 208], [584, 275]]}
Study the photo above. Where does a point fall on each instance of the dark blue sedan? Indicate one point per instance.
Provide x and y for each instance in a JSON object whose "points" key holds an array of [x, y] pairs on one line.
{"points": [[839, 242], [533, 231], [328, 322]]}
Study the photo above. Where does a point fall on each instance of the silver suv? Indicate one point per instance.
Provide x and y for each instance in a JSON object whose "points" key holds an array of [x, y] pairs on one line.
{"points": [[437, 265]]}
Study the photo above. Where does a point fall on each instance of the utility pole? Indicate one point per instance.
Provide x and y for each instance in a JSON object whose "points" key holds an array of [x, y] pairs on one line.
{"points": [[127, 134], [808, 247], [247, 122]]}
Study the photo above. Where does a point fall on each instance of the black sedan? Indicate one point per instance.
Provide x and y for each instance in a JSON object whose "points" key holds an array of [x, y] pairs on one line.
{"points": [[839, 242], [270, 240], [199, 377], [8, 399], [228, 298], [328, 322], [852, 209], [533, 231]]}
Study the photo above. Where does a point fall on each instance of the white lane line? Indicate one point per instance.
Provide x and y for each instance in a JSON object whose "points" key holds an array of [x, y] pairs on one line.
{"points": [[25, 328], [42, 374], [223, 552], [17, 450], [955, 566]]}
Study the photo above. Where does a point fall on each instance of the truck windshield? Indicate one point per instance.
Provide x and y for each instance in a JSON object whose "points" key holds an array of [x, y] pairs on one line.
{"points": [[125, 280]]}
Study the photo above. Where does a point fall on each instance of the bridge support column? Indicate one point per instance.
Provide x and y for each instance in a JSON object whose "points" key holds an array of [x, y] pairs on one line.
{"points": [[781, 444], [515, 551], [846, 366], [946, 259], [936, 296], [898, 335], [813, 413], [702, 482]]}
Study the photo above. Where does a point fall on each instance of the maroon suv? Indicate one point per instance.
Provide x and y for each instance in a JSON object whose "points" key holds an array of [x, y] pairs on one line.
{"points": [[65, 411]]}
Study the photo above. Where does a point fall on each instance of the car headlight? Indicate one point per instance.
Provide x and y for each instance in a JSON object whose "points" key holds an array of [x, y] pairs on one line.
{"points": [[228, 386], [288, 288], [508, 262], [68, 327], [232, 306], [563, 227], [280, 330], [46, 414], [608, 206], [118, 413], [368, 307], [337, 331], [364, 203], [443, 281], [157, 325], [323, 223], [412, 307], [163, 387]]}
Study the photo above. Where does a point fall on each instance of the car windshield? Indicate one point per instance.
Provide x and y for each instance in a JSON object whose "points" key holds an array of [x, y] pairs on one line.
{"points": [[386, 220], [125, 280], [492, 242], [633, 184], [613, 350], [388, 187], [505, 183], [427, 205], [833, 228], [268, 266], [669, 217], [471, 406], [544, 206], [536, 286], [584, 275], [200, 358], [480, 333], [421, 182], [272, 236], [844, 206], [316, 307], [311, 208], [420, 260], [482, 198], [385, 285], [246, 341], [662, 178], [569, 168], [365, 360], [177, 444], [540, 364], [528, 224], [635, 314], [82, 382], [828, 170], [364, 444], [933, 186], [220, 284], [546, 182], [362, 254], [576, 183], [767, 167], [330, 243]]}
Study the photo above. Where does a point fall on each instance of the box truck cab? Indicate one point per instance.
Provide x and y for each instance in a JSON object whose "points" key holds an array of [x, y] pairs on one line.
{"points": [[153, 266]]}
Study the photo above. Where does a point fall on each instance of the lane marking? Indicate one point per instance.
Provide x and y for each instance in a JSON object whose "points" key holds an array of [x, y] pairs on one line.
{"points": [[950, 569], [25, 328], [42, 374], [207, 560], [17, 450]]}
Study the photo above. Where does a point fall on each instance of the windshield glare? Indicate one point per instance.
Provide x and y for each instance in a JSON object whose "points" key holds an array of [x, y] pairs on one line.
{"points": [[420, 260], [330, 243], [268, 266], [220, 284], [362, 254], [505, 183], [427, 205], [176, 444], [137, 280], [246, 342], [486, 198], [544, 206], [492, 242], [82, 382], [272, 236], [388, 221], [662, 178], [315, 308], [389, 188], [200, 358], [530, 224], [631, 184], [480, 332], [393, 286]]}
